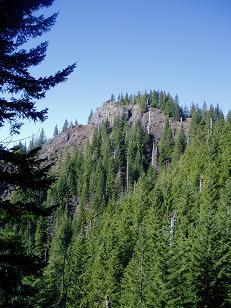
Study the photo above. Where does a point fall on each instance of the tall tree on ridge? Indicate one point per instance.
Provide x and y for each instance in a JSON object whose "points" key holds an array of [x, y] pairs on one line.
{"points": [[56, 131], [42, 138], [65, 125]]}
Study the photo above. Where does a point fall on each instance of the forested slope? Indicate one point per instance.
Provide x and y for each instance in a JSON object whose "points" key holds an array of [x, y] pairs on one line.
{"points": [[137, 235], [150, 109]]}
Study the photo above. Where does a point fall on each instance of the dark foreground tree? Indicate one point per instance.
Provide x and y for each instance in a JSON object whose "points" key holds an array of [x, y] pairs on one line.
{"points": [[20, 91]]}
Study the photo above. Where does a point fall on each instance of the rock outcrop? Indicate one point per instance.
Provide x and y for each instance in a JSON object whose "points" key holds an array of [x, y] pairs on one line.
{"points": [[79, 136], [74, 137]]}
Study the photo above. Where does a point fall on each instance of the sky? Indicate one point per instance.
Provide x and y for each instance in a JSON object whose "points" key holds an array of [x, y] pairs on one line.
{"points": [[182, 47]]}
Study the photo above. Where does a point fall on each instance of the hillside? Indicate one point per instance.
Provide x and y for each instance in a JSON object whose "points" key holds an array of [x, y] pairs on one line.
{"points": [[139, 214], [79, 136], [132, 209], [140, 219]]}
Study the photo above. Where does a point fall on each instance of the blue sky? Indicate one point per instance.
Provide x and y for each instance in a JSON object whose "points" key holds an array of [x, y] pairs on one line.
{"points": [[182, 47]]}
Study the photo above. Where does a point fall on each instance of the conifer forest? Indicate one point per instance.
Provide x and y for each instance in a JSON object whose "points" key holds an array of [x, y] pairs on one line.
{"points": [[137, 215]]}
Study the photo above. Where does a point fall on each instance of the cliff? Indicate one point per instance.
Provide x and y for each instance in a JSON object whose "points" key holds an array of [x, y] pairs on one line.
{"points": [[79, 136]]}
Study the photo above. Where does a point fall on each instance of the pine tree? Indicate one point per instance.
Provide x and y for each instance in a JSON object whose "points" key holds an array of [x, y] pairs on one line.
{"points": [[22, 147], [136, 156], [166, 145], [55, 278], [19, 23], [41, 139], [112, 98], [31, 145], [134, 284], [185, 112], [228, 117], [78, 256], [180, 145], [153, 99], [90, 116], [65, 125], [56, 131]]}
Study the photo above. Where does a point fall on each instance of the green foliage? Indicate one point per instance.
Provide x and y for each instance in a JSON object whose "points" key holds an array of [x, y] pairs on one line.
{"points": [[56, 131], [24, 179], [137, 157], [65, 125], [55, 275], [166, 145], [228, 117], [165, 102], [90, 116], [140, 236], [41, 139], [125, 243], [180, 145]]}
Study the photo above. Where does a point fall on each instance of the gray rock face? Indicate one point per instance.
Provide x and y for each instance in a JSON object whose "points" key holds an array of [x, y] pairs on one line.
{"points": [[79, 136], [72, 138], [108, 111], [152, 121]]}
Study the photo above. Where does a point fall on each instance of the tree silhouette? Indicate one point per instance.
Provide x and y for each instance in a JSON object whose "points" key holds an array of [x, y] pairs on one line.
{"points": [[19, 22]]}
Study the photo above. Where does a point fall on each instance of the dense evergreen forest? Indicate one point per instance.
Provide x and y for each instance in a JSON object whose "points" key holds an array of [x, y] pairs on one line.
{"points": [[132, 230], [126, 220]]}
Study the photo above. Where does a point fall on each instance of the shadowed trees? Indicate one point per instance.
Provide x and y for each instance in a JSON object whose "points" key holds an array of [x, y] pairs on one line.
{"points": [[20, 92]]}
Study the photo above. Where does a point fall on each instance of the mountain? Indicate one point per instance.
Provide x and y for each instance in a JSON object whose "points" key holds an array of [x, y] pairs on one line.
{"points": [[140, 209], [79, 136]]}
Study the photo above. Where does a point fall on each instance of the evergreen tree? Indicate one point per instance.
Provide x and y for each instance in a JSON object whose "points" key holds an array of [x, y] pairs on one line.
{"points": [[134, 284], [137, 162], [65, 125], [41, 139], [112, 98], [19, 23], [55, 279], [166, 145], [90, 116], [22, 147], [153, 99], [31, 145], [228, 117], [185, 112], [56, 131], [180, 145]]}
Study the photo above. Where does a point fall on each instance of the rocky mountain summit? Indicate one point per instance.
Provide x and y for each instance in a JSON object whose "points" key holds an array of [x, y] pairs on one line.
{"points": [[80, 135]]}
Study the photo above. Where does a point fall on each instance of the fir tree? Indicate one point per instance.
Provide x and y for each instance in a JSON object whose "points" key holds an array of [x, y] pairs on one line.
{"points": [[41, 139], [31, 145], [65, 125], [18, 24], [112, 98], [90, 116], [22, 147], [180, 145], [228, 117], [55, 275], [166, 145], [56, 131]]}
